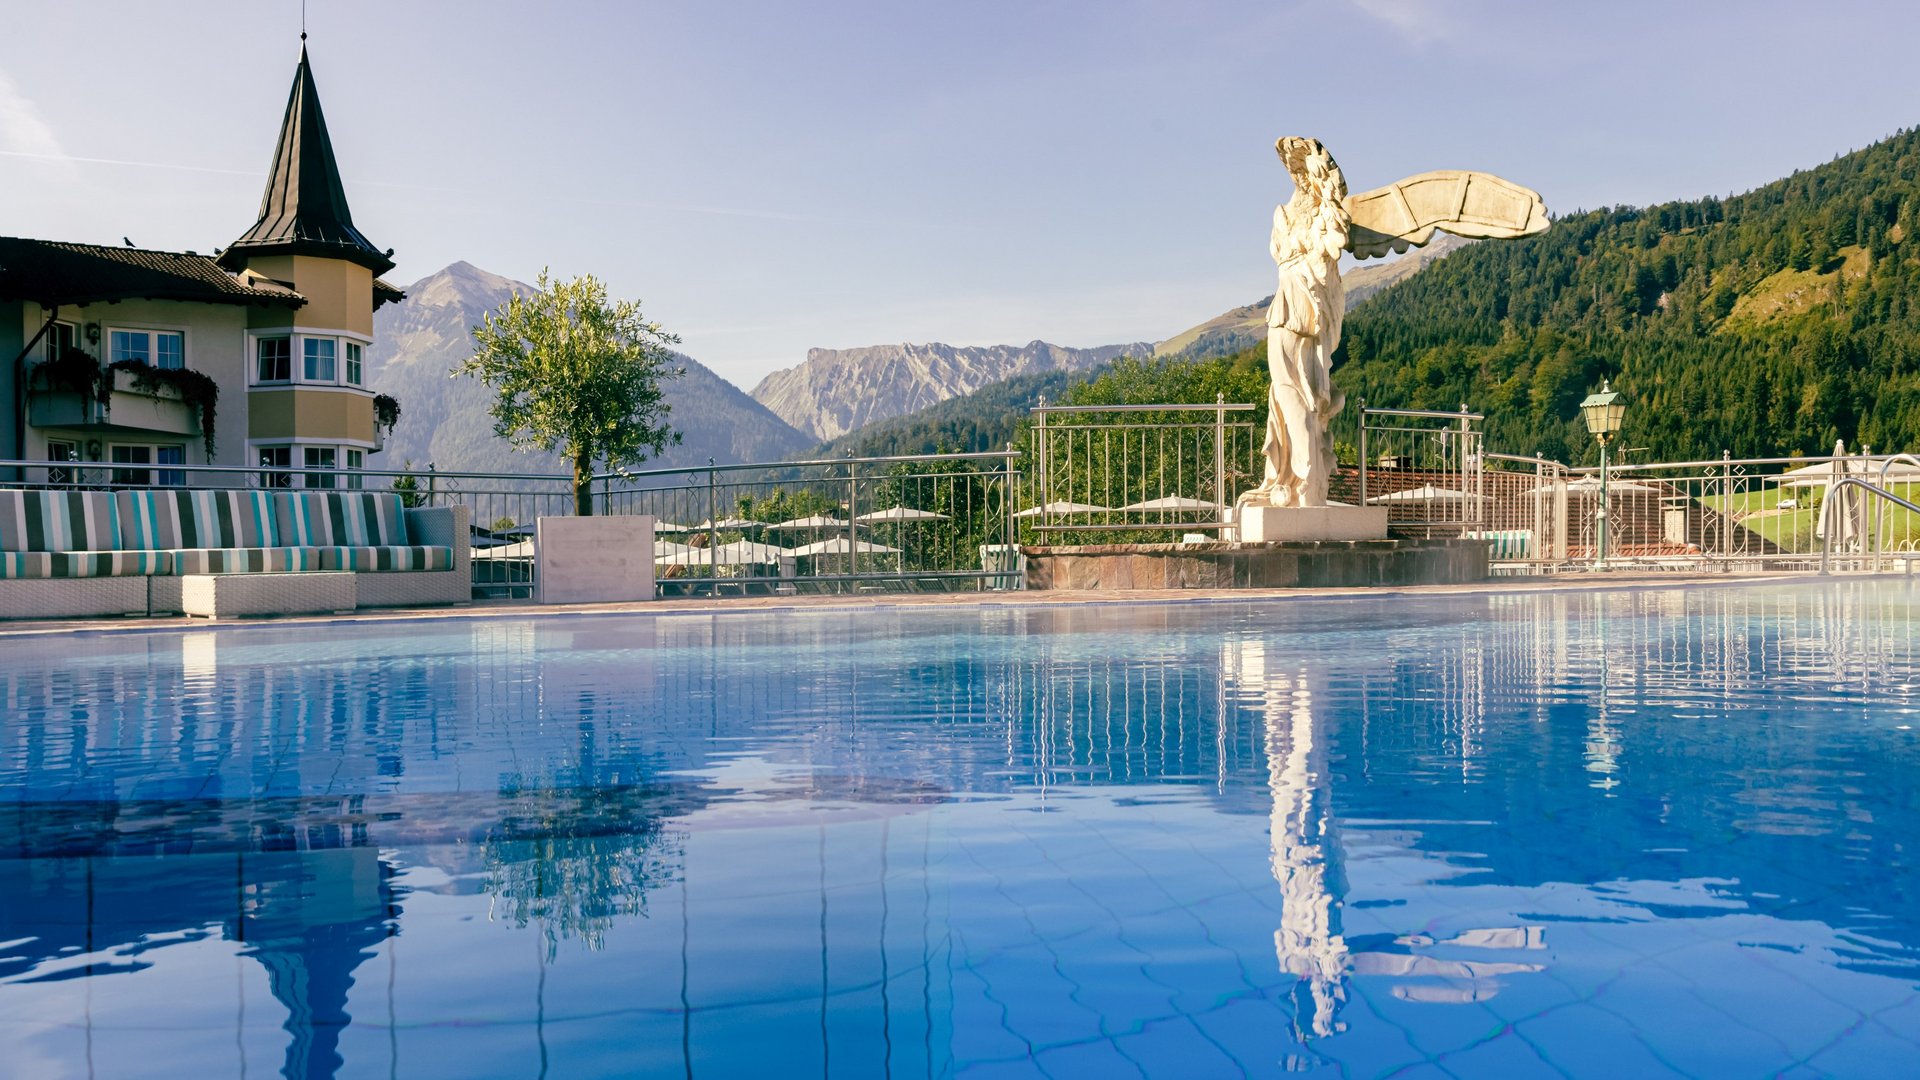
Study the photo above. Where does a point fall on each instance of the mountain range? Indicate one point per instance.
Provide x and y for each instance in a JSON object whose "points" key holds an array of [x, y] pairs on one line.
{"points": [[444, 419], [841, 390]]}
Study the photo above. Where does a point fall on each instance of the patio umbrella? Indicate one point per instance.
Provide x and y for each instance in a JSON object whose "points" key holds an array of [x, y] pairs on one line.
{"points": [[729, 523], [1825, 473], [814, 521], [1175, 503], [665, 548], [738, 553], [1590, 485], [663, 526], [1429, 494], [900, 513], [839, 546], [1061, 508]]}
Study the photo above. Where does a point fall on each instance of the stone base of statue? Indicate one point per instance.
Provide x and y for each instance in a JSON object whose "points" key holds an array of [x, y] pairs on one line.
{"points": [[1303, 524]]}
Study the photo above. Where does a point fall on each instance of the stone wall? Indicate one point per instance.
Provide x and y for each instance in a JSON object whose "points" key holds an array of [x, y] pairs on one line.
{"points": [[1324, 564]]}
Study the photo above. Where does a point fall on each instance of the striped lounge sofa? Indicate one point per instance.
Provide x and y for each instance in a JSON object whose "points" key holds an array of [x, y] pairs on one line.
{"points": [[67, 554]]}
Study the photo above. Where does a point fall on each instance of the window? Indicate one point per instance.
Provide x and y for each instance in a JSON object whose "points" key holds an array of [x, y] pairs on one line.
{"points": [[170, 455], [356, 460], [160, 348], [132, 455], [276, 359], [318, 354], [276, 457], [127, 345], [58, 339], [149, 455], [354, 371], [320, 457], [62, 451]]}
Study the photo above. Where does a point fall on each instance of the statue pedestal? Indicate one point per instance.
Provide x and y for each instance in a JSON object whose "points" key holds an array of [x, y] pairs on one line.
{"points": [[1295, 524]]}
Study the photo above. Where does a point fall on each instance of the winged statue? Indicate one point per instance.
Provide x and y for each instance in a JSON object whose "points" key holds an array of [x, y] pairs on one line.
{"points": [[1311, 231]]}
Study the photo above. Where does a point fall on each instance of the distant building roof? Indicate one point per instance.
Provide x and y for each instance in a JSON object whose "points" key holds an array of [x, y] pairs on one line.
{"points": [[304, 210], [53, 272]]}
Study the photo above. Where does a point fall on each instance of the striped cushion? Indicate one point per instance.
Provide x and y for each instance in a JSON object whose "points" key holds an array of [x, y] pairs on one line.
{"points": [[58, 521], [254, 560], [391, 557], [175, 518], [25, 564], [342, 518], [81, 564]]}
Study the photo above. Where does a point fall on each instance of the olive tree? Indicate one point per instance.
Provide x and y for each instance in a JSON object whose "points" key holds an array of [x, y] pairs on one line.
{"points": [[577, 374]]}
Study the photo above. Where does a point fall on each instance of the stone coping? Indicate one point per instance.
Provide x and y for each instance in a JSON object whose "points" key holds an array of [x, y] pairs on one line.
{"points": [[760, 605]]}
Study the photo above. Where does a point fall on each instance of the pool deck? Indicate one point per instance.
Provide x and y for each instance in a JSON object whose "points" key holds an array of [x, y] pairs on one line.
{"points": [[881, 600]]}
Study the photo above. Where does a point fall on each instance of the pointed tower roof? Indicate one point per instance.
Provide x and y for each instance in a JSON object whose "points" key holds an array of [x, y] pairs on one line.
{"points": [[304, 211]]}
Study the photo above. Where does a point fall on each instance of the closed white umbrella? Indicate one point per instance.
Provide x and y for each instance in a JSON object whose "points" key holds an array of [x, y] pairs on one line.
{"points": [[1061, 508], [900, 513]]}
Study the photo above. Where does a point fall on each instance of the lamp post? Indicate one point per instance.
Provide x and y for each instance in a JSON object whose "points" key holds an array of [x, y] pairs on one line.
{"points": [[1603, 412]]}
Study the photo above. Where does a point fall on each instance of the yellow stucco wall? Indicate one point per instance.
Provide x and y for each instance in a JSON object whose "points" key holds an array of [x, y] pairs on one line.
{"points": [[339, 294], [317, 415]]}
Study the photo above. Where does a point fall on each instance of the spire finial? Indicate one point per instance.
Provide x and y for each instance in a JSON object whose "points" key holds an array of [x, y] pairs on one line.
{"points": [[303, 21]]}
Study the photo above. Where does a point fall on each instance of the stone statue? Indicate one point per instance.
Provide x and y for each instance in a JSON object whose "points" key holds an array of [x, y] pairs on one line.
{"points": [[1310, 231]]}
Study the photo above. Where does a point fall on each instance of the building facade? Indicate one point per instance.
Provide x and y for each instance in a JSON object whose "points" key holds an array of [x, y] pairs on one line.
{"points": [[151, 362]]}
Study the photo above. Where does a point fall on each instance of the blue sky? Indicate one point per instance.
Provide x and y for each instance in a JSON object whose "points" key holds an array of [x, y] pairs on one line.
{"points": [[770, 177]]}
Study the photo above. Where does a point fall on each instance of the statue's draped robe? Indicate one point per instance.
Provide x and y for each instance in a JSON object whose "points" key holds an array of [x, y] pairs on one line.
{"points": [[1303, 330]]}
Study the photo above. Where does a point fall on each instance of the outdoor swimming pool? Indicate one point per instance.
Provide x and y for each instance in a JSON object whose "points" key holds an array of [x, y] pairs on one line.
{"points": [[1624, 833]]}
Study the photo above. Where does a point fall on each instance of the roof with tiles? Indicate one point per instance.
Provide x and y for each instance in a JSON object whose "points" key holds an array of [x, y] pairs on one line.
{"points": [[52, 272]]}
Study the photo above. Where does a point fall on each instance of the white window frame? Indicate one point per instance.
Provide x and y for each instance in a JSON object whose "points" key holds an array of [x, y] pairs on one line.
{"points": [[153, 350], [297, 338], [50, 341]]}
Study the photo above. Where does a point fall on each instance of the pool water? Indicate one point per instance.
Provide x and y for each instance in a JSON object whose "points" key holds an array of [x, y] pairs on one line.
{"points": [[1627, 833]]}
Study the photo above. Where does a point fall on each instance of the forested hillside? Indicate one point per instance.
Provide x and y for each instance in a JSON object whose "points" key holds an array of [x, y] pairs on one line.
{"points": [[1766, 323]]}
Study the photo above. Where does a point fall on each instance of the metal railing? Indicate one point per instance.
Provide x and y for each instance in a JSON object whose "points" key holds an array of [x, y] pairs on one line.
{"points": [[1426, 466], [929, 522], [1140, 472], [925, 522], [1839, 514]]}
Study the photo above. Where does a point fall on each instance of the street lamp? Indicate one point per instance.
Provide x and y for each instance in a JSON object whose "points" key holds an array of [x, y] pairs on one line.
{"points": [[1603, 412]]}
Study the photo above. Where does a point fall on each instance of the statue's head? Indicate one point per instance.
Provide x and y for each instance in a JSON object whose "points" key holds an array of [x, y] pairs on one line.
{"points": [[1312, 168]]}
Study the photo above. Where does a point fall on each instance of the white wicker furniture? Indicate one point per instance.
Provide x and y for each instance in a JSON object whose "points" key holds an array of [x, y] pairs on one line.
{"points": [[224, 596]]}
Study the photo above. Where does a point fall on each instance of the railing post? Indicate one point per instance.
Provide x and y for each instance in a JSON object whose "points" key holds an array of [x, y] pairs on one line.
{"points": [[713, 530], [1726, 511], [1009, 552], [1363, 451], [433, 483], [853, 511], [1220, 451]]}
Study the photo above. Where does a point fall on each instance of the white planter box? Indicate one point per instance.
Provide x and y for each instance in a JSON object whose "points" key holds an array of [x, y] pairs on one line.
{"points": [[587, 560]]}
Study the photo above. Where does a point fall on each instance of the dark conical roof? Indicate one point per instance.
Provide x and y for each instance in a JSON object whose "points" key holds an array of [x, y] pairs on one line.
{"points": [[304, 211]]}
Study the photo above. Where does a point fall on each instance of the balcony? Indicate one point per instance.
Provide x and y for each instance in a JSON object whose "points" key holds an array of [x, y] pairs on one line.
{"points": [[128, 407]]}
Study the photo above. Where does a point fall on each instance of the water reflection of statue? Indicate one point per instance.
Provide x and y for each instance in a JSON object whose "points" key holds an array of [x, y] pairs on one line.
{"points": [[1311, 942], [1310, 232], [1308, 945]]}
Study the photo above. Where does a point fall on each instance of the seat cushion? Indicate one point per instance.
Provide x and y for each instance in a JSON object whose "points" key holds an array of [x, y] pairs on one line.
{"points": [[161, 519], [253, 560], [81, 564], [339, 519], [389, 557], [58, 521]]}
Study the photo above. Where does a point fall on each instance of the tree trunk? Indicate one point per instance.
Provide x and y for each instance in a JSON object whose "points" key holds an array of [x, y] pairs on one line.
{"points": [[582, 484]]}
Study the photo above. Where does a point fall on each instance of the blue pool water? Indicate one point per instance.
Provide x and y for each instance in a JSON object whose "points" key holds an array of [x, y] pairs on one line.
{"points": [[1652, 833]]}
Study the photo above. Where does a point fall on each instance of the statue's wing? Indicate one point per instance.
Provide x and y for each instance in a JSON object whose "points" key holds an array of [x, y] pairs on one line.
{"points": [[1473, 204]]}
